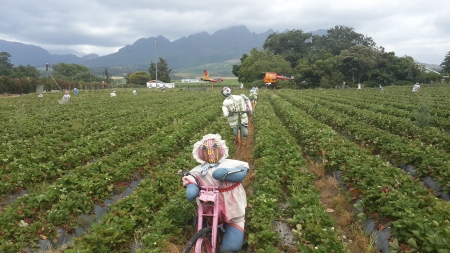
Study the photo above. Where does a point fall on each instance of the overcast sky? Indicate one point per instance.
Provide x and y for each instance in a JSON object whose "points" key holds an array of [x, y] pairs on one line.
{"points": [[416, 28]]}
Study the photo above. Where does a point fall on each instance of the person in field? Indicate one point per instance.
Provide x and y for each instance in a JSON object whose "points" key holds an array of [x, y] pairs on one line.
{"points": [[66, 97], [113, 94], [134, 92], [236, 103], [359, 86], [416, 87], [75, 91], [211, 152], [381, 87], [254, 95]]}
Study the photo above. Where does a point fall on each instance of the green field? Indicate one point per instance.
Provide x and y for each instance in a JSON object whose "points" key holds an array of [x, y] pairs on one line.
{"points": [[112, 161], [221, 69]]}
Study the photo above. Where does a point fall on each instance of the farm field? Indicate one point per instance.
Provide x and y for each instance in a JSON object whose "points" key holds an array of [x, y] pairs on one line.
{"points": [[97, 174]]}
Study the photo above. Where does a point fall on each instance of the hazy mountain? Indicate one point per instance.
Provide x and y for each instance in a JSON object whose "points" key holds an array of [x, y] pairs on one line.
{"points": [[194, 50], [90, 56], [22, 54], [65, 51], [434, 67]]}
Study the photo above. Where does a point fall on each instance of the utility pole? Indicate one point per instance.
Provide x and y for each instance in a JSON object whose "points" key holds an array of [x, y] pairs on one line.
{"points": [[156, 63], [90, 74], [47, 67], [46, 71]]}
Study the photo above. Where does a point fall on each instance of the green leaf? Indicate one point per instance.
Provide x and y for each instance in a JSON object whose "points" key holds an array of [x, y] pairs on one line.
{"points": [[412, 242]]}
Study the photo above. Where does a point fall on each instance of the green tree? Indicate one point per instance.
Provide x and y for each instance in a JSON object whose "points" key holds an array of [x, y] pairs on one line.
{"points": [[163, 70], [312, 72], [237, 68], [260, 61], [140, 78], [446, 64], [407, 69], [107, 76], [71, 72], [292, 45], [343, 37], [6, 67], [358, 61], [392, 69], [429, 77], [26, 71], [386, 71], [127, 77]]}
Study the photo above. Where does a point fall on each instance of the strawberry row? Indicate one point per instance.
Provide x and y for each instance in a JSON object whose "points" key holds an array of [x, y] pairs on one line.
{"points": [[76, 192], [428, 160], [384, 190], [284, 194], [20, 174], [130, 216]]}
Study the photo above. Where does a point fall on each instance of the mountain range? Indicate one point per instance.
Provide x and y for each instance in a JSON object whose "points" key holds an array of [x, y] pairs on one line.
{"points": [[186, 52]]}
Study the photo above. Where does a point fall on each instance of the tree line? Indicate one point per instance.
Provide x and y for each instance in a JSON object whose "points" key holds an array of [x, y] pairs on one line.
{"points": [[24, 79], [342, 55]]}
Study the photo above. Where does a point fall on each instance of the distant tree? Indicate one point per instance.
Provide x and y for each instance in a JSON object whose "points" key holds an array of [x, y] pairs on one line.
{"points": [[386, 71], [236, 67], [163, 70], [407, 69], [392, 69], [446, 64], [312, 72], [140, 78], [429, 77], [6, 67], [107, 76], [292, 45], [358, 61], [127, 77], [71, 72], [343, 37], [26, 71], [262, 61]]}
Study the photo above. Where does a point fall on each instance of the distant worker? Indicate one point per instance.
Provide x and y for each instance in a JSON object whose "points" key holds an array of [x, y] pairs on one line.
{"points": [[66, 97], [163, 88], [359, 86], [241, 86], [75, 91], [381, 87], [416, 87], [134, 92], [253, 97], [233, 104], [254, 94], [254, 90], [113, 94]]}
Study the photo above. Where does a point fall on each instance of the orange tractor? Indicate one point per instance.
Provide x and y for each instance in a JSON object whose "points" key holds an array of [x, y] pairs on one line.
{"points": [[271, 78], [207, 78]]}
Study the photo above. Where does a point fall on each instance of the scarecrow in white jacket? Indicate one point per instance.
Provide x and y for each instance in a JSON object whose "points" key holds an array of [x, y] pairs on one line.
{"points": [[66, 97], [233, 104], [416, 87], [211, 152]]}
